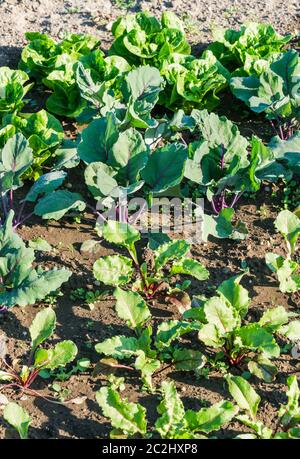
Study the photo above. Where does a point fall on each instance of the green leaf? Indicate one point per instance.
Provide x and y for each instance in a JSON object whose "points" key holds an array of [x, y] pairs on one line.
{"points": [[188, 359], [45, 184], [17, 417], [131, 307], [120, 233], [289, 226], [254, 337], [63, 353], [235, 293], [220, 314], [129, 417], [39, 244], [261, 430], [213, 418], [244, 395], [147, 366], [173, 250], [113, 270], [141, 90], [274, 318], [291, 331], [171, 410], [42, 327], [57, 204], [171, 330], [192, 268], [263, 369], [291, 409], [119, 347], [98, 139], [286, 270], [165, 167], [210, 336]]}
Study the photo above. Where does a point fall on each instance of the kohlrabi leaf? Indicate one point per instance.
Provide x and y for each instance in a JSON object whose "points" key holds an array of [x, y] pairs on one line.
{"points": [[45, 184], [165, 167], [55, 205]]}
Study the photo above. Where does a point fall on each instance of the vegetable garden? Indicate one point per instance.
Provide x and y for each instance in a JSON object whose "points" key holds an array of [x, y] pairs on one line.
{"points": [[107, 330]]}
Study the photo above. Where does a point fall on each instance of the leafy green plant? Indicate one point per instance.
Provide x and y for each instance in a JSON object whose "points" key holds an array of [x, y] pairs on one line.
{"points": [[18, 418], [286, 269], [218, 161], [43, 55], [44, 133], [248, 401], [224, 328], [12, 90], [146, 351], [142, 39], [21, 284], [40, 358], [275, 92], [16, 159], [88, 296], [247, 50], [119, 270], [175, 422], [192, 82]]}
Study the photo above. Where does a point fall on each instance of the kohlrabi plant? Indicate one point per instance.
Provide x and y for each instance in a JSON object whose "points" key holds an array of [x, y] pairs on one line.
{"points": [[218, 160], [168, 260], [131, 101], [18, 418], [20, 283], [275, 92], [288, 416], [16, 159], [287, 269], [22, 376], [224, 328], [13, 89], [174, 421]]}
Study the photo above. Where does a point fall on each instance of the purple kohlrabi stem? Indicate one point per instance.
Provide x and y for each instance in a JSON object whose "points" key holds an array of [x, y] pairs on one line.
{"points": [[222, 162]]}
